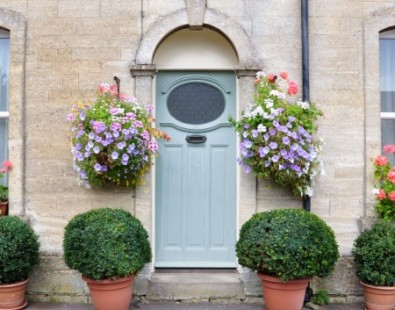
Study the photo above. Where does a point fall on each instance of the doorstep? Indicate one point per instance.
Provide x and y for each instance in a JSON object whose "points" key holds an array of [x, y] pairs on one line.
{"points": [[196, 287]]}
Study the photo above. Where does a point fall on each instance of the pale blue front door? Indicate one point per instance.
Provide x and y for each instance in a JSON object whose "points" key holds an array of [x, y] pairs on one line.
{"points": [[196, 170]]}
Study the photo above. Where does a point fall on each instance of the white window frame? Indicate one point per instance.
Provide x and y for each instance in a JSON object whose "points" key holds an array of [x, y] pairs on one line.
{"points": [[390, 34]]}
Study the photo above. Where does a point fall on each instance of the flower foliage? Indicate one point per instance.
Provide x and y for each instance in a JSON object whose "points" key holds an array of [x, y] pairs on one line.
{"points": [[112, 139], [384, 185], [277, 135]]}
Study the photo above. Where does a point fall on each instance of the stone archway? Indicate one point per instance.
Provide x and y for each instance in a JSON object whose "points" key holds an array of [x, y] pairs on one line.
{"points": [[143, 70], [224, 24]]}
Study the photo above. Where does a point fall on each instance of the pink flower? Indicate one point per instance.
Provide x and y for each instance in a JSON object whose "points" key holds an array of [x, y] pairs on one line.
{"points": [[381, 195], [381, 160], [104, 88], [292, 88], [3, 170], [114, 89], [271, 78], [257, 81], [391, 176], [284, 75], [8, 165], [389, 149], [391, 196]]}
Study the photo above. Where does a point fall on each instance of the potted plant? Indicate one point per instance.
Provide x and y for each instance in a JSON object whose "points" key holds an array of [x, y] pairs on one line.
{"points": [[4, 189], [19, 255], [374, 258], [108, 247], [384, 185], [113, 141], [277, 135], [287, 247]]}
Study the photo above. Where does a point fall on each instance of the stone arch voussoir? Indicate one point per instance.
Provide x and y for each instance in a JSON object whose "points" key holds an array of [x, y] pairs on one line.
{"points": [[232, 30]]}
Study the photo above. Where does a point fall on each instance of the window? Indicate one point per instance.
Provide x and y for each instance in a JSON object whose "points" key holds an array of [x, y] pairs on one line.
{"points": [[4, 114], [387, 86]]}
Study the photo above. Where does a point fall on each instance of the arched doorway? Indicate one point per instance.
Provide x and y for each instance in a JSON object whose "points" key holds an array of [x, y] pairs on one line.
{"points": [[195, 187]]}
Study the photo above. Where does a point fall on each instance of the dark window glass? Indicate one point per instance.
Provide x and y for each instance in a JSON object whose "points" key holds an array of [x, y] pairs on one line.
{"points": [[196, 103]]}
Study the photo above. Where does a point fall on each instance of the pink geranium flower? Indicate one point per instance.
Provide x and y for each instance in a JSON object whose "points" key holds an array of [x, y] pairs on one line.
{"points": [[271, 78], [381, 160], [381, 195], [7, 164], [389, 149], [284, 75], [292, 88], [391, 196]]}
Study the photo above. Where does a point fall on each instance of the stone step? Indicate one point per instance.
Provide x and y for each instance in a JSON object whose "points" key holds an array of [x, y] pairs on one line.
{"points": [[195, 287]]}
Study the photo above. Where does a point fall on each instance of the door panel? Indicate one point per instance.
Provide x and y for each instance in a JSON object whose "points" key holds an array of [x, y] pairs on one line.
{"points": [[196, 176]]}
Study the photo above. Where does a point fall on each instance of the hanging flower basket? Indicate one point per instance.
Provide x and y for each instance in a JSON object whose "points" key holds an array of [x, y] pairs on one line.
{"points": [[277, 135], [113, 141]]}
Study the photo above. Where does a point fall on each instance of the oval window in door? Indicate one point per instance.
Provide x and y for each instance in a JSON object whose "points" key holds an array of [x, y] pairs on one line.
{"points": [[195, 103]]}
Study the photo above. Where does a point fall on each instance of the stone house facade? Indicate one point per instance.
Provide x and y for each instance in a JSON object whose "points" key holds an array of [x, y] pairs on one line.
{"points": [[60, 50]]}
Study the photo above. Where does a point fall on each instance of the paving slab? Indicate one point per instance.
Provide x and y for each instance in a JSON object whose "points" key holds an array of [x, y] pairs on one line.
{"points": [[180, 306]]}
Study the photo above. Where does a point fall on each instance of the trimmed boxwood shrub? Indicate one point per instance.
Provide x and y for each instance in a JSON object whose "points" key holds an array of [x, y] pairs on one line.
{"points": [[374, 254], [19, 250], [287, 243], [106, 244]]}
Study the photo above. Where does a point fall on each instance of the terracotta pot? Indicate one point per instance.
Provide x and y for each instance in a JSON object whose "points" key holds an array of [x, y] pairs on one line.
{"points": [[283, 295], [379, 297], [12, 296], [110, 294], [3, 208]]}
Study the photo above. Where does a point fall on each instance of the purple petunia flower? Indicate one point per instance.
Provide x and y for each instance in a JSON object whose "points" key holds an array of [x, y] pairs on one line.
{"points": [[79, 134], [125, 159], [295, 168], [247, 143], [114, 155], [96, 150], [115, 126], [82, 115], [98, 127], [263, 151], [138, 124], [146, 136], [275, 158], [273, 145], [272, 131], [286, 140], [105, 142], [97, 167], [131, 148], [121, 145], [294, 147]]}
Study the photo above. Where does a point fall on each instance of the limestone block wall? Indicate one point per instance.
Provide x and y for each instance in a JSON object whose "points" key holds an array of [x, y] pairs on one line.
{"points": [[62, 49]]}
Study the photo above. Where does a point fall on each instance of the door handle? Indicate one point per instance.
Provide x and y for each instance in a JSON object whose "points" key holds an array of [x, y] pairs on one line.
{"points": [[195, 139]]}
